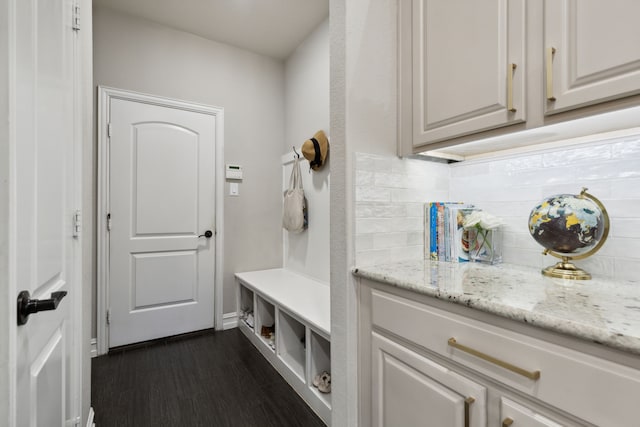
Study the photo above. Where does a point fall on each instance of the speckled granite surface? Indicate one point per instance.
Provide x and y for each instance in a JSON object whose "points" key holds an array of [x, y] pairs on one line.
{"points": [[598, 310]]}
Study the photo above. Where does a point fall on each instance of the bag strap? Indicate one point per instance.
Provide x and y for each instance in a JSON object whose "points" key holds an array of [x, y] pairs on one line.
{"points": [[295, 181], [298, 175]]}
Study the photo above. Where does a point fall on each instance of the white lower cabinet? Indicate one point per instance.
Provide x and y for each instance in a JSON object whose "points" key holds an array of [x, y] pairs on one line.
{"points": [[411, 390], [423, 363]]}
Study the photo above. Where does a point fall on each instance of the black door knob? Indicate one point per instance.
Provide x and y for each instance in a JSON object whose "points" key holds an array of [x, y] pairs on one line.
{"points": [[27, 306], [207, 234]]}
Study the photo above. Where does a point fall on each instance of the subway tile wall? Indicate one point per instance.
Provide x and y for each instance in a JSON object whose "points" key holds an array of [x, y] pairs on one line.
{"points": [[510, 187], [390, 193], [389, 198]]}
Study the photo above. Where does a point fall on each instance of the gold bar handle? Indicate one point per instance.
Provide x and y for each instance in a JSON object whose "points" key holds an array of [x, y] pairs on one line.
{"points": [[533, 375], [510, 72], [507, 422], [467, 409], [550, 52]]}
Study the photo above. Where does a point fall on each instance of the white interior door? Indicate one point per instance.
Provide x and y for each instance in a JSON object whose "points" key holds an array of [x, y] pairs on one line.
{"points": [[44, 255], [162, 200]]}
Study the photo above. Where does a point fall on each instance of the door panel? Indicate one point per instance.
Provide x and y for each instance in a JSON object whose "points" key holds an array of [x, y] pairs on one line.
{"points": [[45, 169], [597, 54], [48, 380], [412, 397], [410, 390], [162, 189], [155, 275], [462, 51], [165, 169]]}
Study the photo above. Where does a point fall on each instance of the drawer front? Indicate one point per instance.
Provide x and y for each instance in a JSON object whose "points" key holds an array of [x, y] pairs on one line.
{"points": [[513, 414], [596, 390]]}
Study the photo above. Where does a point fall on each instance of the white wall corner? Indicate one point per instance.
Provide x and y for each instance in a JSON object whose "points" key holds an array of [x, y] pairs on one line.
{"points": [[229, 321], [94, 347]]}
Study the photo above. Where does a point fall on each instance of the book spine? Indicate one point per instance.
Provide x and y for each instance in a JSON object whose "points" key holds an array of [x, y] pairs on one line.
{"points": [[427, 231], [433, 231], [447, 234], [440, 217]]}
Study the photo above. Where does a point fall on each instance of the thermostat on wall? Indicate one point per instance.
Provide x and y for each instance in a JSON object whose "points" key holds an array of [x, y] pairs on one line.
{"points": [[234, 172]]}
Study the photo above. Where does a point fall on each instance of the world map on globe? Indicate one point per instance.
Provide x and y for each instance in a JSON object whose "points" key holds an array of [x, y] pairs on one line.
{"points": [[567, 223]]}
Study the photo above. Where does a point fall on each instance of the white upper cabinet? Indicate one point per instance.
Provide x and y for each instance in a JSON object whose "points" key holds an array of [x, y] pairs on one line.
{"points": [[592, 52], [473, 70], [468, 66]]}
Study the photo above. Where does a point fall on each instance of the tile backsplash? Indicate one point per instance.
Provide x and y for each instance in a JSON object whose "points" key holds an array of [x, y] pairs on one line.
{"points": [[389, 198], [390, 193]]}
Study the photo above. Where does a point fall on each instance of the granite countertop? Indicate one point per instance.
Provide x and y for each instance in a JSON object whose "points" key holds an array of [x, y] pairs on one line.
{"points": [[598, 310]]}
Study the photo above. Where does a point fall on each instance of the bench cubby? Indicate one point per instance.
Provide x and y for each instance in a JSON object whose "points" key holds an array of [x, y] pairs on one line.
{"points": [[299, 309]]}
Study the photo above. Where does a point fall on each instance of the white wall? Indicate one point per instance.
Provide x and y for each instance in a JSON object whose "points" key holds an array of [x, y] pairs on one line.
{"points": [[139, 55], [363, 119], [307, 111], [6, 319]]}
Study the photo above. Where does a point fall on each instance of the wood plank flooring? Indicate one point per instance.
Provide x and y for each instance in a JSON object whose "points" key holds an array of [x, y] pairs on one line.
{"points": [[212, 379]]}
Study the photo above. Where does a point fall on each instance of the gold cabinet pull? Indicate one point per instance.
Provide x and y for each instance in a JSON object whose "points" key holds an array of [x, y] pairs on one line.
{"points": [[510, 72], [467, 408], [533, 375], [507, 422], [550, 52]]}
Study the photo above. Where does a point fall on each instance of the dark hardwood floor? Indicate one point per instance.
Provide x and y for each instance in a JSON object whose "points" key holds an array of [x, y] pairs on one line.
{"points": [[212, 379]]}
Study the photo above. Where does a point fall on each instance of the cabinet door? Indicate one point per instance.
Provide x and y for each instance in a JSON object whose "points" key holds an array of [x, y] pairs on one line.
{"points": [[597, 52], [513, 414], [468, 67], [411, 390]]}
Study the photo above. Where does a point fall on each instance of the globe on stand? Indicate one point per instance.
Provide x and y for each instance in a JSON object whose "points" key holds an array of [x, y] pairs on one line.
{"points": [[569, 227]]}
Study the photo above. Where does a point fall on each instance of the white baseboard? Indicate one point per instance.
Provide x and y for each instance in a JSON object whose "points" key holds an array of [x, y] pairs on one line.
{"points": [[94, 348], [90, 418], [229, 321]]}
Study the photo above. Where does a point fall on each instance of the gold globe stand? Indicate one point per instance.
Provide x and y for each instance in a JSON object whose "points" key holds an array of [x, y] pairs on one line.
{"points": [[565, 269]]}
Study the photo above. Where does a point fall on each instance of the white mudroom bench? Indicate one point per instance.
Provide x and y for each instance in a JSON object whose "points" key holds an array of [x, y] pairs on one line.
{"points": [[298, 307]]}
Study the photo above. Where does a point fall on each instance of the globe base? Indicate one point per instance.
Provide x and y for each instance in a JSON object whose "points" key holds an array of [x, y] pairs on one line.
{"points": [[566, 270]]}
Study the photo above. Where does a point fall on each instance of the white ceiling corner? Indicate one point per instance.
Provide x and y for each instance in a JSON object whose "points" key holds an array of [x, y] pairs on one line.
{"points": [[269, 27]]}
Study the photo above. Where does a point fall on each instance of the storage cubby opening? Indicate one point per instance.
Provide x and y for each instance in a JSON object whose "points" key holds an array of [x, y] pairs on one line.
{"points": [[292, 343], [265, 322], [320, 361], [246, 314]]}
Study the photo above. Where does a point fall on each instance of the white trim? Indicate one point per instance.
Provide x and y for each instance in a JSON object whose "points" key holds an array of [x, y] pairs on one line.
{"points": [[105, 94], [94, 348], [230, 321], [90, 417]]}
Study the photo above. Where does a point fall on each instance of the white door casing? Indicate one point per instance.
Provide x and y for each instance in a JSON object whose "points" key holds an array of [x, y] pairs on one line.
{"points": [[45, 194], [161, 192]]}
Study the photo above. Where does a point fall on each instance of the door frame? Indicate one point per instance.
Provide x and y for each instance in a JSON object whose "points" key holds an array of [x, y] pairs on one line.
{"points": [[105, 94]]}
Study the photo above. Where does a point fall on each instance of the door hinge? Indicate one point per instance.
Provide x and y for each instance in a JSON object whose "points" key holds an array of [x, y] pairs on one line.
{"points": [[109, 130], [108, 222], [75, 18], [108, 316], [77, 223]]}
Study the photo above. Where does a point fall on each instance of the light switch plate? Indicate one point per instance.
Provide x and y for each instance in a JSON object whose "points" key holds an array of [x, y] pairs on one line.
{"points": [[234, 189]]}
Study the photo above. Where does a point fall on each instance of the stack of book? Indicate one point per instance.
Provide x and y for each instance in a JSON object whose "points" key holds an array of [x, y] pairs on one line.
{"points": [[445, 237]]}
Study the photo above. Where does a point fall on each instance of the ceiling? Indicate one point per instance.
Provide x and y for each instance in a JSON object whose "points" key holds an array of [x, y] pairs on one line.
{"points": [[269, 27]]}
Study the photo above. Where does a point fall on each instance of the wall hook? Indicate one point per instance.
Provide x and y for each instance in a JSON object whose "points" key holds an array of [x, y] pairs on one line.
{"points": [[296, 153]]}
